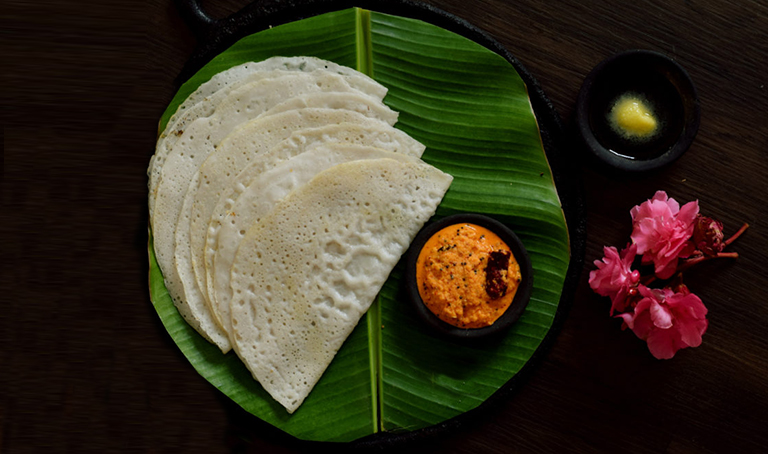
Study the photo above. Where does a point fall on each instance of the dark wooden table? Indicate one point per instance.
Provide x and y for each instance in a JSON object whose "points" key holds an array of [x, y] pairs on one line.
{"points": [[86, 366]]}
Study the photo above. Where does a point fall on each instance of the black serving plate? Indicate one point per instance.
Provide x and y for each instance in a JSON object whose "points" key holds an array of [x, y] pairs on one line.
{"points": [[216, 35]]}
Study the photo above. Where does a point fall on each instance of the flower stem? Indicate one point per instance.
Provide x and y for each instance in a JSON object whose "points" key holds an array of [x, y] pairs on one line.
{"points": [[736, 235], [687, 263]]}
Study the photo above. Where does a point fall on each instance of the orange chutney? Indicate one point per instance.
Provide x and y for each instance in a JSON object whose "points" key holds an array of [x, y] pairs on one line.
{"points": [[462, 280]]}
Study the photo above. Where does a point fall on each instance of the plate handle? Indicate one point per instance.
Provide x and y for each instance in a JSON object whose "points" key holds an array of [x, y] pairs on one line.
{"points": [[198, 21]]}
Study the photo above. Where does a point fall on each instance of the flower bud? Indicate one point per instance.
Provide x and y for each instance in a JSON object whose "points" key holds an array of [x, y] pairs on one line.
{"points": [[708, 235]]}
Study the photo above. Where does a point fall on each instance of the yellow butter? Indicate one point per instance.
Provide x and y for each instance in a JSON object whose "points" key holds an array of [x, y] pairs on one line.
{"points": [[632, 118]]}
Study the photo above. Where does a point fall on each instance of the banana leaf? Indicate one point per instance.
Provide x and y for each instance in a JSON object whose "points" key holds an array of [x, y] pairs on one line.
{"points": [[471, 109]]}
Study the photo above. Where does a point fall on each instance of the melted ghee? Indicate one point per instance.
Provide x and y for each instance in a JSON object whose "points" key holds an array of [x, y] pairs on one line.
{"points": [[632, 117]]}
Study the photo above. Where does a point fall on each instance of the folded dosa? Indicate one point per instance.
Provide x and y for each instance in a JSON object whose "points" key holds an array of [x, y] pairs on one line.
{"points": [[261, 195], [305, 274], [172, 221], [204, 100], [227, 215], [221, 168], [242, 104], [172, 179]]}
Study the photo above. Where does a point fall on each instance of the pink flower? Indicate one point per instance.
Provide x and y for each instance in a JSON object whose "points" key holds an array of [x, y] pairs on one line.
{"points": [[614, 277], [668, 321], [662, 230]]}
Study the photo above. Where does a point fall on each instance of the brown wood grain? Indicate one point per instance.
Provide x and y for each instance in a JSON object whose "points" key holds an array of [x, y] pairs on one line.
{"points": [[86, 366]]}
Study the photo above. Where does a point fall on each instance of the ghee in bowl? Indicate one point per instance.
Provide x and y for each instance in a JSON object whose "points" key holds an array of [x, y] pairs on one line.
{"points": [[468, 276], [637, 111], [632, 117]]}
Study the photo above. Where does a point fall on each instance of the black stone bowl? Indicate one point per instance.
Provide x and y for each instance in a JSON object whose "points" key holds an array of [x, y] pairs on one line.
{"points": [[660, 81], [519, 302]]}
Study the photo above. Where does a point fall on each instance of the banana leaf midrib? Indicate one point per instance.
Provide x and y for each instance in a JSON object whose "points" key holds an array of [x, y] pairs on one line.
{"points": [[373, 318]]}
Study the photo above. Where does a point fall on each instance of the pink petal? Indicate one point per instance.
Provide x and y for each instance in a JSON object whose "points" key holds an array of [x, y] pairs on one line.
{"points": [[688, 213], [640, 322], [629, 319], [642, 326], [671, 203], [628, 254], [661, 316], [647, 293], [662, 344], [688, 303], [666, 270], [691, 332], [660, 196], [619, 301]]}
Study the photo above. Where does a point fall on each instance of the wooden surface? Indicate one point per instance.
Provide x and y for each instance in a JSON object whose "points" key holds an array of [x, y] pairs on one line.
{"points": [[85, 365]]}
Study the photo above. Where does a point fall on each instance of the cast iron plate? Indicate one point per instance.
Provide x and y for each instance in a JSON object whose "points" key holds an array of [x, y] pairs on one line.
{"points": [[216, 35]]}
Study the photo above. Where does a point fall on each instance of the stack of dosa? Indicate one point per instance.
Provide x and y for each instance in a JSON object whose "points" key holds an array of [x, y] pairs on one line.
{"points": [[281, 197]]}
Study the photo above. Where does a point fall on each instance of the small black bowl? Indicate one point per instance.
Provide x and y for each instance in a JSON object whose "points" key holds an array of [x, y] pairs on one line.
{"points": [[667, 88], [515, 309]]}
